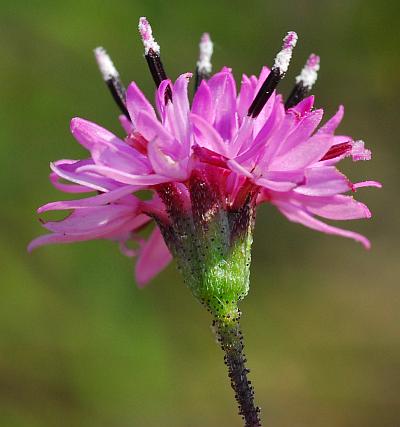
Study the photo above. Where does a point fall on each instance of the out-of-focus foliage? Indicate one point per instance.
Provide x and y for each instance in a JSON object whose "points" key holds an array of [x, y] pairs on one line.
{"points": [[81, 345]]}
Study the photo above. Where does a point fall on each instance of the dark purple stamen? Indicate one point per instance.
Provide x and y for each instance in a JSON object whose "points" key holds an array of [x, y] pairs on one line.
{"points": [[304, 81], [298, 93], [158, 72], [277, 73], [265, 92], [111, 77], [117, 90], [204, 66], [199, 77]]}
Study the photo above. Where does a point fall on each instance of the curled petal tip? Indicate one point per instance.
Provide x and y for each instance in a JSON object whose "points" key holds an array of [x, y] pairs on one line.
{"points": [[34, 244], [73, 122], [367, 244], [368, 213], [362, 184], [74, 125], [140, 282]]}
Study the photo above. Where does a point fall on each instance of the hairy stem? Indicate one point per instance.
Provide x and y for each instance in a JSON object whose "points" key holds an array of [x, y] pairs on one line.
{"points": [[231, 341]]}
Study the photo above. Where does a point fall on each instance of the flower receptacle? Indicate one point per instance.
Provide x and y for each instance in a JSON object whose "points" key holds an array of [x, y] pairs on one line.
{"points": [[212, 245]]}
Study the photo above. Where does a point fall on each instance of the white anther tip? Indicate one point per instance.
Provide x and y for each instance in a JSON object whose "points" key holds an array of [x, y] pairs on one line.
{"points": [[206, 48], [282, 59], [105, 64], [309, 73], [146, 33]]}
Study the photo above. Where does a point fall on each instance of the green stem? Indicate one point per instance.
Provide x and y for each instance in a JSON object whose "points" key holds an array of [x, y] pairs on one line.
{"points": [[231, 341]]}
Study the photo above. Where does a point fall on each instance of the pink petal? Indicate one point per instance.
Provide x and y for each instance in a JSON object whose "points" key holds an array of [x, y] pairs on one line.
{"points": [[89, 134], [255, 148], [126, 178], [223, 91], [163, 145], [99, 219], [90, 182], [239, 169], [210, 157], [243, 137], [67, 188], [54, 238], [261, 78], [126, 124], [164, 164], [136, 103], [181, 108], [300, 216], [106, 149], [324, 181], [154, 257], [267, 109], [151, 129], [206, 136], [303, 155], [330, 126], [125, 249], [265, 113], [202, 102], [367, 184], [139, 221], [245, 97], [161, 99], [304, 106], [99, 200], [284, 124], [292, 176], [337, 207], [102, 233], [303, 131], [275, 185]]}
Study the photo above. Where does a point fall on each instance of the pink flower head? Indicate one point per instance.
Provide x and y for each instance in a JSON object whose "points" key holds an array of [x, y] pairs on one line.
{"points": [[222, 152]]}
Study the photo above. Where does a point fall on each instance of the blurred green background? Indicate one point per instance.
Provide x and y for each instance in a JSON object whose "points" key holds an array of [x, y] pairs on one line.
{"points": [[80, 345]]}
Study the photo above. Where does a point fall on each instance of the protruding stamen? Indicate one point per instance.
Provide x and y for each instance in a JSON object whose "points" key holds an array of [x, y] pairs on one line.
{"points": [[106, 66], [304, 81], [111, 77], [204, 66], [277, 73], [206, 48], [309, 73], [152, 55], [282, 59], [146, 34]]}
